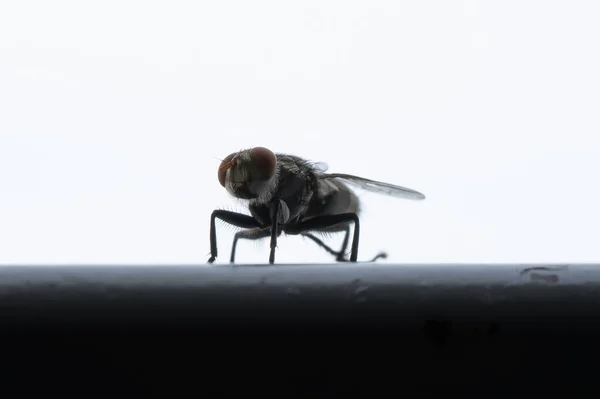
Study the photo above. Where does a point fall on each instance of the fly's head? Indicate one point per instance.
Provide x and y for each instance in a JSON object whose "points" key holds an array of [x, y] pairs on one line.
{"points": [[248, 174]]}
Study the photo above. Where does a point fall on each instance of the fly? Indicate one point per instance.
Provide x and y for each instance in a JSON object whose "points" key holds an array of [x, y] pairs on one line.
{"points": [[288, 194]]}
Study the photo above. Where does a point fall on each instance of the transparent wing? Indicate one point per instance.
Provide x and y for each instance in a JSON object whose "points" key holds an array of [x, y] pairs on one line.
{"points": [[376, 186], [320, 167]]}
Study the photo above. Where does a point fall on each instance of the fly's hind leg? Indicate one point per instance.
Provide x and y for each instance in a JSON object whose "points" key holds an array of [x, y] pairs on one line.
{"points": [[326, 222], [326, 247], [340, 255]]}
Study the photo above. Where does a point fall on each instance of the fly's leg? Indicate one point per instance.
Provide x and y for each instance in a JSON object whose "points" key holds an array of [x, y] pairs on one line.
{"points": [[379, 255], [327, 221], [322, 244], [233, 218], [340, 255], [254, 234], [275, 231], [342, 252]]}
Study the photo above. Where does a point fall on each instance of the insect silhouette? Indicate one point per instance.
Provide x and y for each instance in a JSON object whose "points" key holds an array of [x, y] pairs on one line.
{"points": [[291, 195]]}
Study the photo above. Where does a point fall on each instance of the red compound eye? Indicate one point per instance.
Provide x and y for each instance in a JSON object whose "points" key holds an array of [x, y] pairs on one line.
{"points": [[264, 160], [225, 165]]}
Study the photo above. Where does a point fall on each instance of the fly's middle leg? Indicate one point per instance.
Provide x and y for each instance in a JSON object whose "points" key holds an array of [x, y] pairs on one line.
{"points": [[276, 207], [254, 234]]}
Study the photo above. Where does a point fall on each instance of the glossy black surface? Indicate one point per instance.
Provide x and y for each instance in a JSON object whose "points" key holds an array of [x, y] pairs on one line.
{"points": [[285, 330]]}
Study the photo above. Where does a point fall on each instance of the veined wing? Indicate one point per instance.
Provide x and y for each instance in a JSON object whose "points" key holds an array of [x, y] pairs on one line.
{"points": [[320, 167], [376, 186]]}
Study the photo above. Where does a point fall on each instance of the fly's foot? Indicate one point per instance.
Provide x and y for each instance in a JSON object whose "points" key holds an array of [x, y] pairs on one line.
{"points": [[342, 258], [211, 259], [382, 255]]}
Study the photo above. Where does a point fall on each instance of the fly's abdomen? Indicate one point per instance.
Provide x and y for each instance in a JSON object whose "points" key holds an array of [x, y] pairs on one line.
{"points": [[343, 201]]}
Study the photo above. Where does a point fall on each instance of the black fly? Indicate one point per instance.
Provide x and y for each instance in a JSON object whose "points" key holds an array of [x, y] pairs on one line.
{"points": [[288, 194]]}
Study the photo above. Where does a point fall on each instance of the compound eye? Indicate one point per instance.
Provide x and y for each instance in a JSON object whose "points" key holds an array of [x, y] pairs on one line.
{"points": [[225, 165], [264, 160]]}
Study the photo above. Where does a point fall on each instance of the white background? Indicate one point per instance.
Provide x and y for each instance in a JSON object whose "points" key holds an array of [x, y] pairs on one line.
{"points": [[114, 115]]}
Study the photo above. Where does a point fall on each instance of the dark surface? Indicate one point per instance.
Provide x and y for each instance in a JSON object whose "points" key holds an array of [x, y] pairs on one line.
{"points": [[291, 330]]}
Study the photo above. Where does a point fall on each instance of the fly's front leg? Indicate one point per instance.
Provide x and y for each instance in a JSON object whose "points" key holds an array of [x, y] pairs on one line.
{"points": [[233, 218]]}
